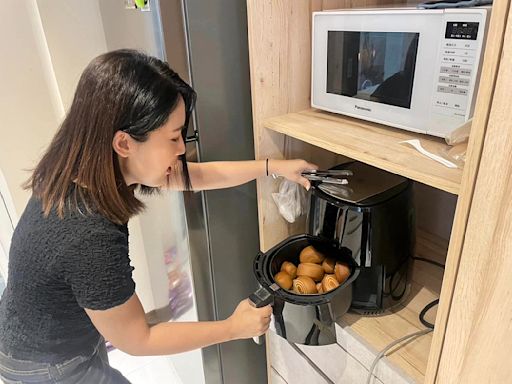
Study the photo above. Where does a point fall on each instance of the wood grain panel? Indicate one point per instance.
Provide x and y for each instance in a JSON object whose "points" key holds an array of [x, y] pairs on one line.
{"points": [[280, 56], [484, 98], [371, 143], [339, 4], [478, 337]]}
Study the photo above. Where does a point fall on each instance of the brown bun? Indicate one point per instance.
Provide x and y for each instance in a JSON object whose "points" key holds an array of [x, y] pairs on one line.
{"points": [[311, 255], [328, 265], [283, 279], [319, 288], [289, 268], [329, 282], [342, 272], [315, 271], [304, 285]]}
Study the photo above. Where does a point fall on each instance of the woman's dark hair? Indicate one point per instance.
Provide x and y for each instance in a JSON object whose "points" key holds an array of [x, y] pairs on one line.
{"points": [[120, 90]]}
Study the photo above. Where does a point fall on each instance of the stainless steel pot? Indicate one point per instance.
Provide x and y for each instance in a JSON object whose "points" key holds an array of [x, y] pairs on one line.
{"points": [[302, 319]]}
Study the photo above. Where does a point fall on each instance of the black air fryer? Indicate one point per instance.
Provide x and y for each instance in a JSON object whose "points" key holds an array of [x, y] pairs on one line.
{"points": [[372, 217]]}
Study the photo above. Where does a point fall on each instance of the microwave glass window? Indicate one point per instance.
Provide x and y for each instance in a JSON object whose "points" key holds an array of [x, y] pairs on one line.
{"points": [[374, 66]]}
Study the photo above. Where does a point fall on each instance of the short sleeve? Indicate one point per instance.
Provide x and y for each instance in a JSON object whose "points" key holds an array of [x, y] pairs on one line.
{"points": [[99, 270]]}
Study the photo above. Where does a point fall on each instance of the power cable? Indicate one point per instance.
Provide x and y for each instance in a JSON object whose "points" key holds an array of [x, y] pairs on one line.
{"points": [[391, 345]]}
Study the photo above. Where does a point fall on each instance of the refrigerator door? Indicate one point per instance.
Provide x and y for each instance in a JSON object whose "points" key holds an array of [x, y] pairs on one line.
{"points": [[219, 64], [215, 37]]}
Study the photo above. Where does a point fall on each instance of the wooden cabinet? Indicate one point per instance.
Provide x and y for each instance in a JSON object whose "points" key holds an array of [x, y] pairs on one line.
{"points": [[472, 337]]}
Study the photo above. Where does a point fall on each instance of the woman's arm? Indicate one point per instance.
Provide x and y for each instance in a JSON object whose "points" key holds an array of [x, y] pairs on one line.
{"points": [[126, 328], [224, 174]]}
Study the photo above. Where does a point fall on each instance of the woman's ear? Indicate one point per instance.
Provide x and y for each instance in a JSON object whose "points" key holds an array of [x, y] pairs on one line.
{"points": [[122, 143]]}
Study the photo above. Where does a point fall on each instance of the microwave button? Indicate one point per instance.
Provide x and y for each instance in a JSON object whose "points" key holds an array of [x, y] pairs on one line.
{"points": [[450, 70], [444, 89], [447, 106], [463, 81], [453, 80], [460, 45], [465, 72], [458, 52], [441, 103], [458, 60], [467, 60], [460, 91]]}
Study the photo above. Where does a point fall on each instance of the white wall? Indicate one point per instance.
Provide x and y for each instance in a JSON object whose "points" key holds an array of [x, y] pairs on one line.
{"points": [[74, 34], [30, 104], [55, 40], [40, 67]]}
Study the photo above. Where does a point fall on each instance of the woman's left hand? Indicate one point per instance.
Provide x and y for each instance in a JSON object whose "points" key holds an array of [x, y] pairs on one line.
{"points": [[291, 169]]}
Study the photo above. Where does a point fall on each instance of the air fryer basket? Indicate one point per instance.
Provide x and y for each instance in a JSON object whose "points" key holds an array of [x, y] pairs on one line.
{"points": [[266, 265]]}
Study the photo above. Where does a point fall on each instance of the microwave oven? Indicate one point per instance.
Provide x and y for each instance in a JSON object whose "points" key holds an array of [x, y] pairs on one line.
{"points": [[415, 69]]}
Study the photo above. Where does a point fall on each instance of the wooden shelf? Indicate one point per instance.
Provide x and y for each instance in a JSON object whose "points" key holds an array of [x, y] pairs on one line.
{"points": [[371, 143], [378, 331]]}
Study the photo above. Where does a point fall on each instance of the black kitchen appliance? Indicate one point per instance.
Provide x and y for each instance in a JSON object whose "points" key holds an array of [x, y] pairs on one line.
{"points": [[365, 220], [373, 218]]}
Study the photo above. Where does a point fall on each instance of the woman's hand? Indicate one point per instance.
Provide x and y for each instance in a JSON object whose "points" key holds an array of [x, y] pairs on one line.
{"points": [[291, 169], [248, 321]]}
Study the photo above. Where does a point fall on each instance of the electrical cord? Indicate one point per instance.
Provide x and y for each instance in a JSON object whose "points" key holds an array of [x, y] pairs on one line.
{"points": [[432, 303], [424, 312], [391, 345], [393, 287]]}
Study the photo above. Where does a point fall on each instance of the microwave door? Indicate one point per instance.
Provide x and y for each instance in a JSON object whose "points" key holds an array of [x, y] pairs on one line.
{"points": [[342, 63], [350, 63]]}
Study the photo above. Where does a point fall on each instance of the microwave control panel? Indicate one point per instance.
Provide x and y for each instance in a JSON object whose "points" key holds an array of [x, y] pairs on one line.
{"points": [[457, 68]]}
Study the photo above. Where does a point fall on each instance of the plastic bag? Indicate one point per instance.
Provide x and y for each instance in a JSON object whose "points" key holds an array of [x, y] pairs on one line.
{"points": [[456, 154], [291, 200], [458, 144], [460, 135]]}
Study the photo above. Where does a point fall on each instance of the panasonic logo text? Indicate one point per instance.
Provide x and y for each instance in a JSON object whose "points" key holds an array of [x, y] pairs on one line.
{"points": [[362, 108]]}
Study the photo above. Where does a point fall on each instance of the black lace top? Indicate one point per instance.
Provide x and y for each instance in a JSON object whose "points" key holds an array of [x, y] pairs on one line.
{"points": [[57, 267]]}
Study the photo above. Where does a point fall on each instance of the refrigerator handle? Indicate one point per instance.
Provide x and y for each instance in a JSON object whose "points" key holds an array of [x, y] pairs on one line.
{"points": [[194, 137]]}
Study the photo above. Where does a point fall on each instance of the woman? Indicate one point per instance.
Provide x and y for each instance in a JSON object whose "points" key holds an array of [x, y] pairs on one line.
{"points": [[70, 281]]}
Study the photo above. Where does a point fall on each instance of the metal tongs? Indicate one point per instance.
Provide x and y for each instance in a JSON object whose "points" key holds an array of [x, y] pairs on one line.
{"points": [[331, 176]]}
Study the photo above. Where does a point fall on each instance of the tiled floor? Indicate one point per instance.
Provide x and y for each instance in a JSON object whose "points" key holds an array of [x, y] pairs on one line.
{"points": [[144, 370]]}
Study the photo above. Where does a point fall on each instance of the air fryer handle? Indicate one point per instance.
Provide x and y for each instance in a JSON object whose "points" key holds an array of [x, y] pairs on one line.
{"points": [[261, 298], [258, 299]]}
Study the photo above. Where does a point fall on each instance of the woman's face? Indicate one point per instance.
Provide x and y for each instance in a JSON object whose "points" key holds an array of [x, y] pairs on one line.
{"points": [[150, 162]]}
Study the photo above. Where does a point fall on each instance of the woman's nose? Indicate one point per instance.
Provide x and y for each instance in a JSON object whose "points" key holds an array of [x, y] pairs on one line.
{"points": [[181, 146]]}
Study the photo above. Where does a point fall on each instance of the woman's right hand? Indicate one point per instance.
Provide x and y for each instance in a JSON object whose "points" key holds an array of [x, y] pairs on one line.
{"points": [[248, 321]]}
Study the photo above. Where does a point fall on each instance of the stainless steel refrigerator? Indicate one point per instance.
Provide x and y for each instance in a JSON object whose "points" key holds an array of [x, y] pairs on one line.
{"points": [[206, 43]]}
